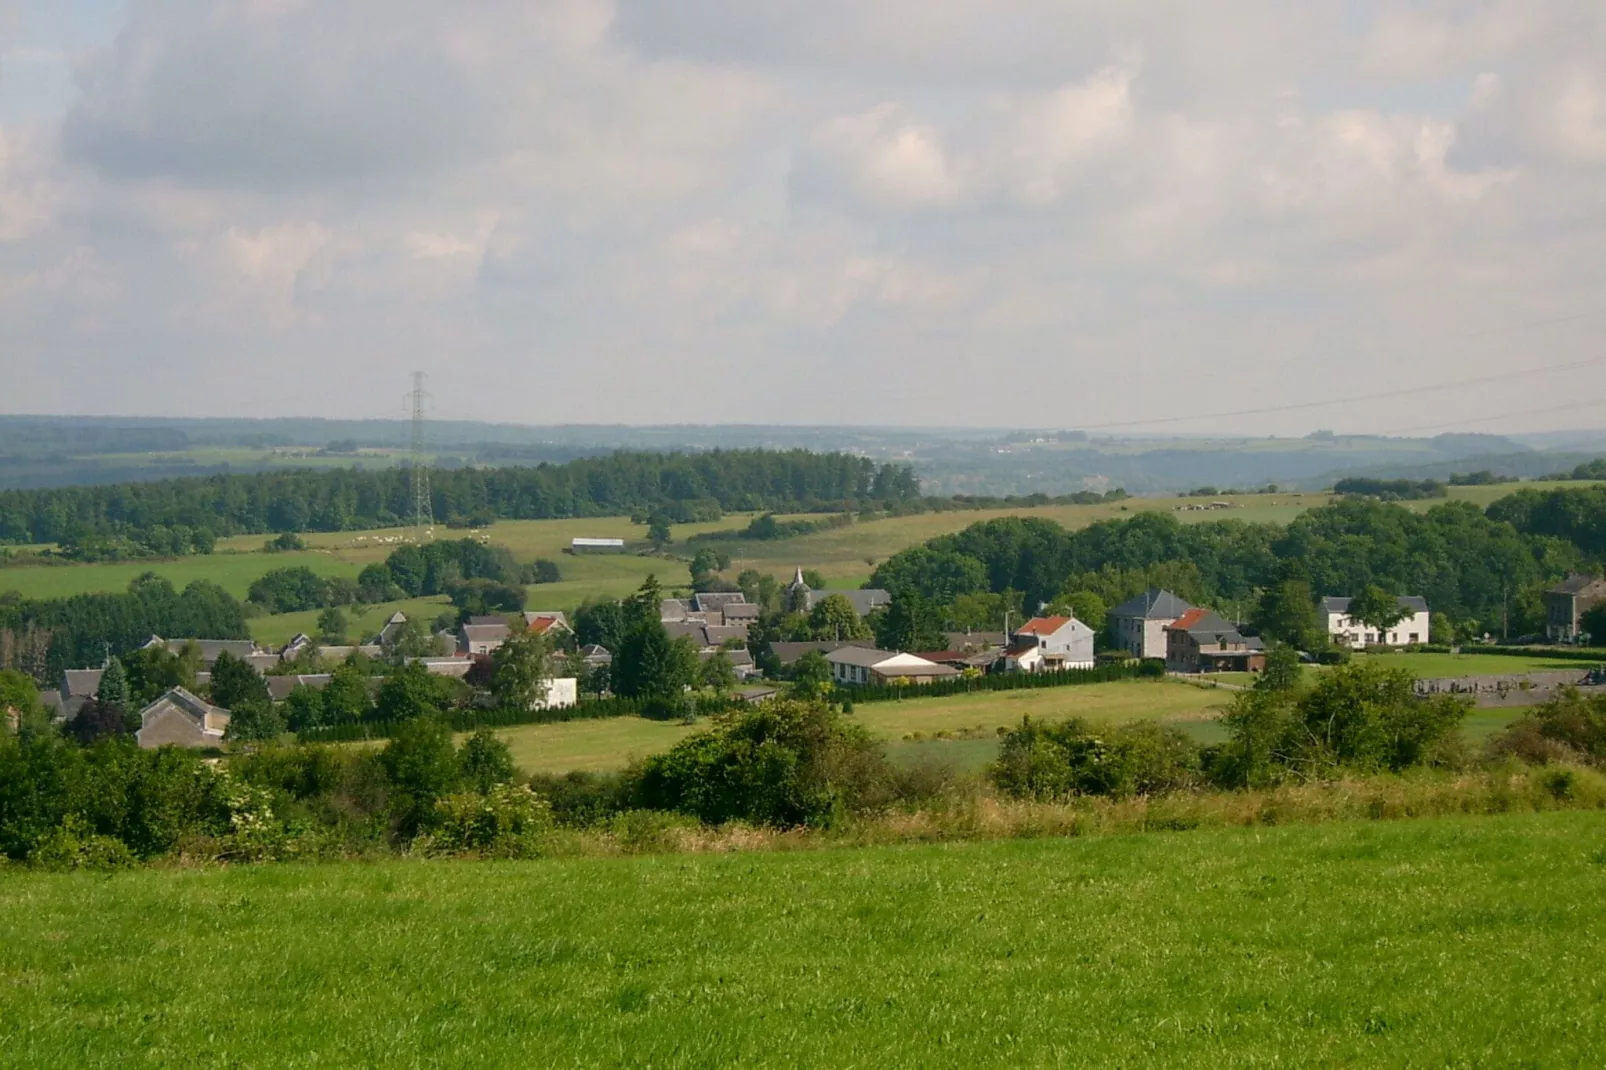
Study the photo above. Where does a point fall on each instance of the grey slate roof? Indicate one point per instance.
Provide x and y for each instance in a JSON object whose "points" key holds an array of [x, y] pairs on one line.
{"points": [[279, 687], [673, 609], [1153, 604], [787, 653], [863, 600], [706, 635], [209, 648], [80, 683], [1414, 603], [867, 656], [485, 633], [190, 704], [716, 601]]}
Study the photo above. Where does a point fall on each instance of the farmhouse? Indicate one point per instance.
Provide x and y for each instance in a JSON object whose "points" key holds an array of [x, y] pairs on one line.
{"points": [[1567, 602], [180, 719], [1139, 623], [1412, 628], [1050, 644], [856, 666], [1204, 641], [864, 600], [482, 638], [549, 622]]}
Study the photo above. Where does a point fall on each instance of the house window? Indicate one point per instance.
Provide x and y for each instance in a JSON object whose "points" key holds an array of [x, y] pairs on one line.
{"points": [[1416, 637]]}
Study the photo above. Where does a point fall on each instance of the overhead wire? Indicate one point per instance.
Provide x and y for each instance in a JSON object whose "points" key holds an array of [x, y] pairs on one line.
{"points": [[1381, 395]]}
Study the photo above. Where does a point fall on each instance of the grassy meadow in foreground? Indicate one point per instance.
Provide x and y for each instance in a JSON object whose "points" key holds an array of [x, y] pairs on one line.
{"points": [[1463, 941]]}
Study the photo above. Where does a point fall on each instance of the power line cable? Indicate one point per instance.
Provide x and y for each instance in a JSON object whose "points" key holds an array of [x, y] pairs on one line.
{"points": [[1381, 395]]}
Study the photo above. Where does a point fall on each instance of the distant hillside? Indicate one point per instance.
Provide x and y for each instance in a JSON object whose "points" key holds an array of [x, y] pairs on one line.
{"points": [[44, 451]]}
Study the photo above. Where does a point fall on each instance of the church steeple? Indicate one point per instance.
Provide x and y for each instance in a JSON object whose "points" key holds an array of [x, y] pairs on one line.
{"points": [[797, 594]]}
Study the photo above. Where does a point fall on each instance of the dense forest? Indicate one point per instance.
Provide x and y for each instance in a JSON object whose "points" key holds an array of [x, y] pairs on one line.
{"points": [[182, 514], [1480, 569], [43, 637]]}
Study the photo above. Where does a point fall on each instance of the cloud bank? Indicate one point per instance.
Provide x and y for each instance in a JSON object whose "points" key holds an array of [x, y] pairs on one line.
{"points": [[1032, 212]]}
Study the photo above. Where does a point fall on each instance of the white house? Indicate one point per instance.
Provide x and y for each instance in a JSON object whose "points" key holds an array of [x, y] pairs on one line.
{"points": [[856, 666], [1050, 644], [1414, 627]]}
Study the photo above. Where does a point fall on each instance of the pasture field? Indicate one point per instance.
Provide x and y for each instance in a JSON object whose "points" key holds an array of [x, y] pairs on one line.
{"points": [[968, 725], [1469, 941], [1436, 666], [598, 746]]}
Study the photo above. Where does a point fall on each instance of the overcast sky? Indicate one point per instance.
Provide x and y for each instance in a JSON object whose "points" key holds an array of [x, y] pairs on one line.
{"points": [[1055, 213]]}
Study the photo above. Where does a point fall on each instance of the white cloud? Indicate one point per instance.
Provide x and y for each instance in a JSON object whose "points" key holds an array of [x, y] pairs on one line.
{"points": [[718, 207]]}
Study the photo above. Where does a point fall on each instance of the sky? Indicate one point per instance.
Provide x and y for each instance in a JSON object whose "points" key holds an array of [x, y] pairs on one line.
{"points": [[1223, 217]]}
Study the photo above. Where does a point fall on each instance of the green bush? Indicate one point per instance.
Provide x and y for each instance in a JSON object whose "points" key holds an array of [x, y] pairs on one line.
{"points": [[74, 845], [1358, 718], [1568, 727], [1048, 761], [508, 821], [785, 763]]}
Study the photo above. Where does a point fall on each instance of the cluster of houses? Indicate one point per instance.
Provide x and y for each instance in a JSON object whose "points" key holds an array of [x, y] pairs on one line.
{"points": [[179, 717], [1154, 625]]}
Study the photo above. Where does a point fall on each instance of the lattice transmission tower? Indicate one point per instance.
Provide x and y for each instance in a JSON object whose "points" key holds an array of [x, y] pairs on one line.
{"points": [[423, 511]]}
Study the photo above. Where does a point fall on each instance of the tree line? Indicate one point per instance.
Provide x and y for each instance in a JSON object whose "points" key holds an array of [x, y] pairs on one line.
{"points": [[42, 637], [181, 513], [1484, 570]]}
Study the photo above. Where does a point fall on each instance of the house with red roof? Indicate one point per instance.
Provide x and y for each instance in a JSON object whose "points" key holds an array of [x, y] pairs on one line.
{"points": [[1202, 640], [1050, 644]]}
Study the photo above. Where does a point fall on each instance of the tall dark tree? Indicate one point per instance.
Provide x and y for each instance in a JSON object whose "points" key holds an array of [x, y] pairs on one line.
{"points": [[235, 683]]}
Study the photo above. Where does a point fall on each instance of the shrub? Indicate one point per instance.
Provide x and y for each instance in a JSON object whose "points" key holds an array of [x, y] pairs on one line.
{"points": [[509, 821], [583, 799], [1568, 727], [1055, 761], [485, 761], [785, 763], [74, 845]]}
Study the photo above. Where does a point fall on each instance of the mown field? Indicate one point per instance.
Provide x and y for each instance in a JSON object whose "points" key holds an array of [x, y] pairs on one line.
{"points": [[957, 730], [594, 746], [1448, 942]]}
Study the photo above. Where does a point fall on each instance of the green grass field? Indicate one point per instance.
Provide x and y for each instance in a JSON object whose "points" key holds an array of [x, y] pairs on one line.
{"points": [[1449, 942], [596, 746], [1434, 666]]}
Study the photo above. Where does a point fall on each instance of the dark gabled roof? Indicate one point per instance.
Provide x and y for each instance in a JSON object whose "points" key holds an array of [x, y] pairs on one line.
{"points": [[195, 707], [279, 687], [787, 653], [710, 601], [81, 682], [1412, 602], [1575, 583], [673, 609], [867, 656], [863, 600], [1153, 604]]}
